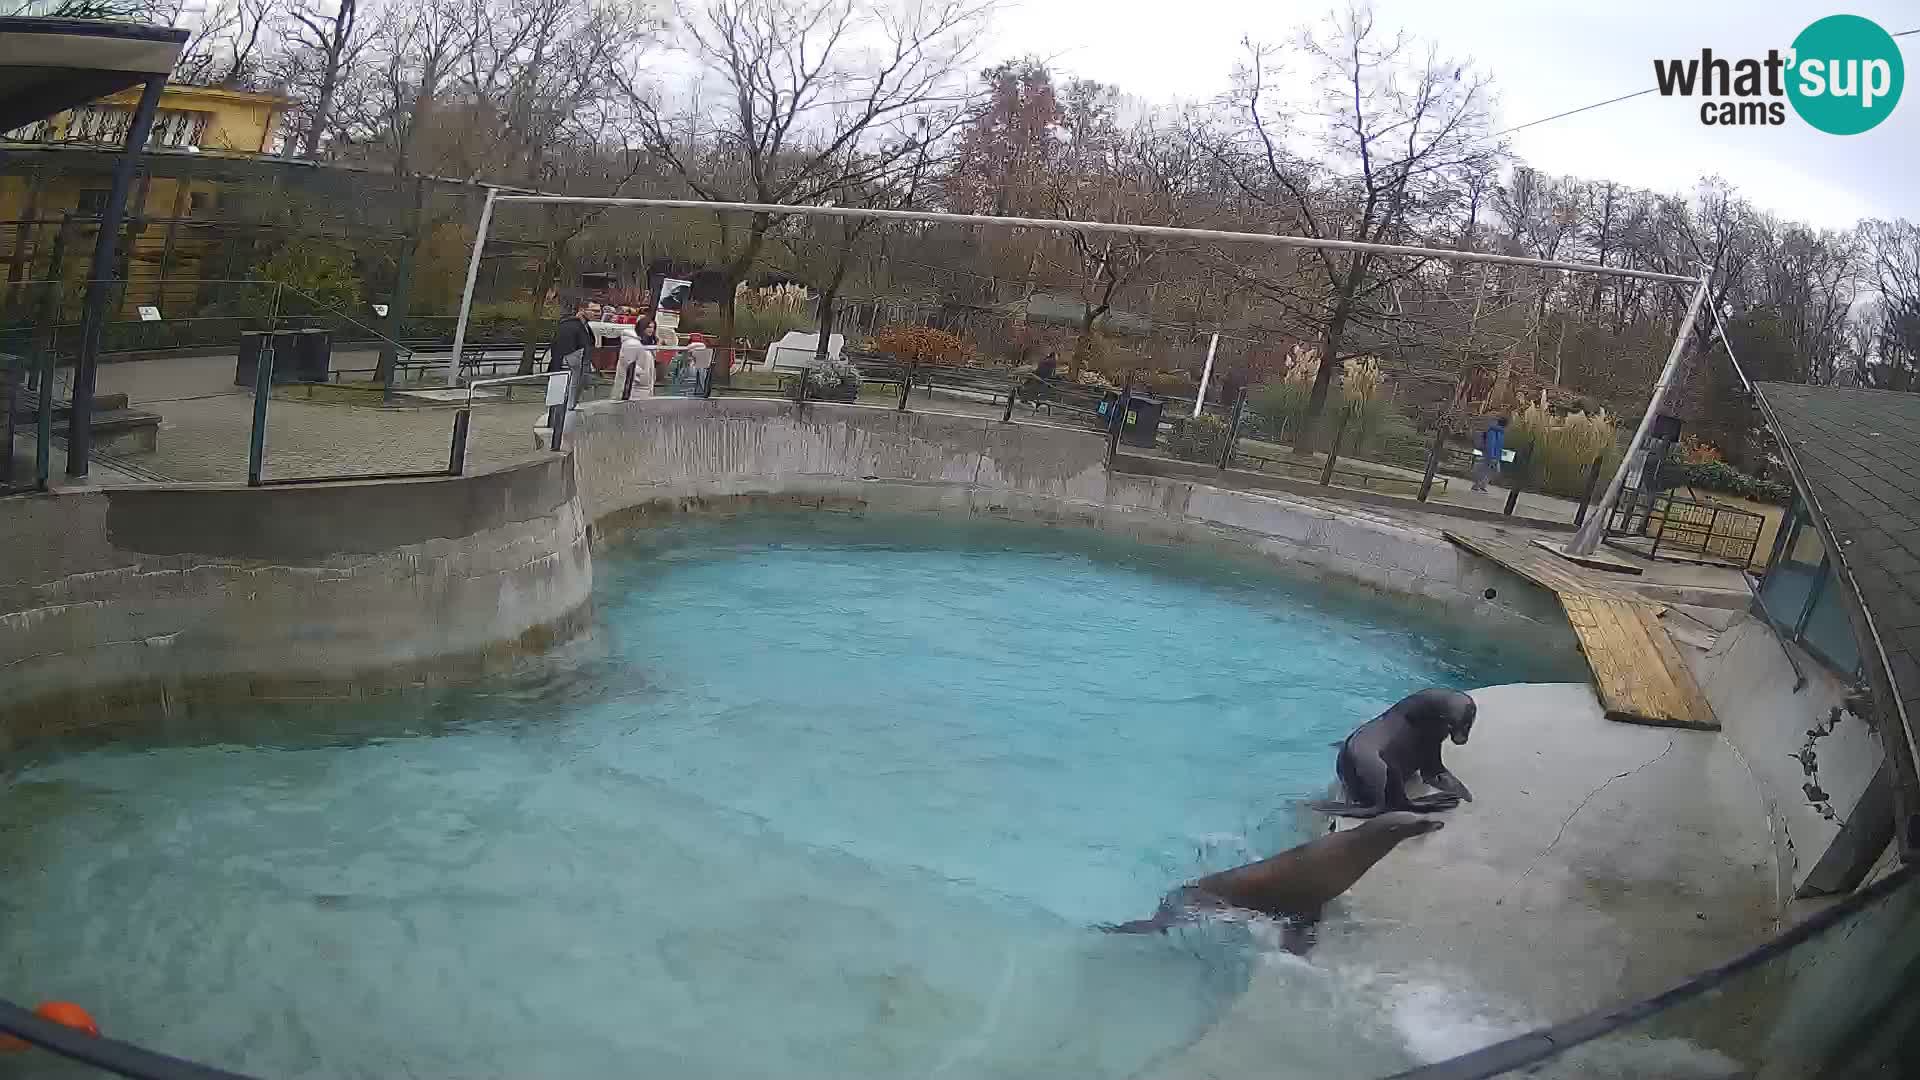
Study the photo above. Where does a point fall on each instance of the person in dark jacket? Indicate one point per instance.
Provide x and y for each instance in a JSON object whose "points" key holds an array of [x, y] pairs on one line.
{"points": [[571, 336]]}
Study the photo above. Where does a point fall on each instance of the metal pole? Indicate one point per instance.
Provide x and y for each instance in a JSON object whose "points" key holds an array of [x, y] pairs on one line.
{"points": [[1587, 538], [1233, 429], [1118, 421], [1520, 463], [103, 272], [466, 297], [1333, 450], [43, 423], [1114, 227], [1433, 460], [262, 390], [457, 454], [1586, 494], [1206, 373]]}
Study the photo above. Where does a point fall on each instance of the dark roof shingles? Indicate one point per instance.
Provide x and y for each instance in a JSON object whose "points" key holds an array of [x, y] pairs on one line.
{"points": [[1856, 449]]}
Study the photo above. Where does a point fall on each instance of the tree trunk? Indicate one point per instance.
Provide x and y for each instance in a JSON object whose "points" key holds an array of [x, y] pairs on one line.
{"points": [[825, 328], [1329, 353], [310, 142], [530, 334]]}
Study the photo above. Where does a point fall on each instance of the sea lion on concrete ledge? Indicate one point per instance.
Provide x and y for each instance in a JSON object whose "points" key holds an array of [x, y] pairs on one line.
{"points": [[1381, 755], [1293, 885]]}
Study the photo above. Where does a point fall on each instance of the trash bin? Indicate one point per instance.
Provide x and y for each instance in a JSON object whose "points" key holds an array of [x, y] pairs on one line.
{"points": [[246, 366], [286, 349], [1143, 420], [311, 358]]}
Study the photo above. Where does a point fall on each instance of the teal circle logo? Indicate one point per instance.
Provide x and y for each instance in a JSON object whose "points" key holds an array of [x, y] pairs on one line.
{"points": [[1846, 74]]}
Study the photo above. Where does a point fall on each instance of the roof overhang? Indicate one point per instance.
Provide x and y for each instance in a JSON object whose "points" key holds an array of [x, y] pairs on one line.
{"points": [[1855, 460], [51, 65]]}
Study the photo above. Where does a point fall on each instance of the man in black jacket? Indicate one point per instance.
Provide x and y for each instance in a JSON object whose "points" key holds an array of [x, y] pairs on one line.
{"points": [[571, 336]]}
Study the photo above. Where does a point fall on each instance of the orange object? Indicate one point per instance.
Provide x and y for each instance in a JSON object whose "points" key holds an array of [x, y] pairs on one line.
{"points": [[66, 1012], [60, 1012]]}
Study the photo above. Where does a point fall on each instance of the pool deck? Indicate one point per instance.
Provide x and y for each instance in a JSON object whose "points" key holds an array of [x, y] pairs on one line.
{"points": [[1639, 672], [1598, 863]]}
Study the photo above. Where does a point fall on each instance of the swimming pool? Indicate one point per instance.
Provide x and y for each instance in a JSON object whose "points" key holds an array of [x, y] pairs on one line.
{"points": [[817, 796]]}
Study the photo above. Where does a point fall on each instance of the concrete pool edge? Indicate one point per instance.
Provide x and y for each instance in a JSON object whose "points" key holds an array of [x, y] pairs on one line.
{"points": [[123, 599], [640, 461]]}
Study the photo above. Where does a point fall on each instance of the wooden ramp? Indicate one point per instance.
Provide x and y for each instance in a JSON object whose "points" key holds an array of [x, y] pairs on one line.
{"points": [[1638, 672]]}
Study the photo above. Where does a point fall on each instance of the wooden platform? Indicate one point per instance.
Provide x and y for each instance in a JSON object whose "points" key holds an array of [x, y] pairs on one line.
{"points": [[1638, 671]]}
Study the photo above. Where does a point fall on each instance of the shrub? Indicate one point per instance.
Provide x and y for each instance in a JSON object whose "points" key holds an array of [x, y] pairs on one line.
{"points": [[834, 379], [1558, 450], [1197, 438], [764, 316], [324, 274], [918, 344], [1722, 477], [1279, 407]]}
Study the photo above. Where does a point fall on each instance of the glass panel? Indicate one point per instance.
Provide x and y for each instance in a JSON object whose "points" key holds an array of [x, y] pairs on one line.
{"points": [[1828, 632], [1789, 582]]}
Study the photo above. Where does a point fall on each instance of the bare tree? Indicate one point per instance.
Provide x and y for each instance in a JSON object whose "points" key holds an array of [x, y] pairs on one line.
{"points": [[1892, 253], [229, 46], [1398, 127], [812, 97], [324, 43]]}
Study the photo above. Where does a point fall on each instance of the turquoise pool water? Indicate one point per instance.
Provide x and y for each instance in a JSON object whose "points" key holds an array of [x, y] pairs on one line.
{"points": [[817, 797]]}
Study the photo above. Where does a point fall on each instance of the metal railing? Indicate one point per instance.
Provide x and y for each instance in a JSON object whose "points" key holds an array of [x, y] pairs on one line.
{"points": [[1667, 527]]}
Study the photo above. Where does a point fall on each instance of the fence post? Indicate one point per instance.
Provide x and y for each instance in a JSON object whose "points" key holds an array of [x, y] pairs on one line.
{"points": [[1013, 389], [1586, 493], [1233, 429], [1118, 421], [457, 455], [1433, 460], [800, 386], [1522, 462], [1333, 449], [43, 427], [906, 386], [262, 389]]}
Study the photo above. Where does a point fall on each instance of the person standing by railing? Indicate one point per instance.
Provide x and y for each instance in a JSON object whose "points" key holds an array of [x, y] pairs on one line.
{"points": [[572, 341]]}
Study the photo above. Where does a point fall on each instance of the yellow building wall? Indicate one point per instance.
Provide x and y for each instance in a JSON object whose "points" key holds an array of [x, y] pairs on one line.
{"points": [[238, 123]]}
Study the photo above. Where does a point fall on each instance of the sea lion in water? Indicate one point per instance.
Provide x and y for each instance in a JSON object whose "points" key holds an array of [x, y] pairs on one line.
{"points": [[1293, 885], [1382, 754]]}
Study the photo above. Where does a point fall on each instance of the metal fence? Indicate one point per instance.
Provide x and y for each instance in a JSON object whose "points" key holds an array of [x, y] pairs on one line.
{"points": [[1667, 527]]}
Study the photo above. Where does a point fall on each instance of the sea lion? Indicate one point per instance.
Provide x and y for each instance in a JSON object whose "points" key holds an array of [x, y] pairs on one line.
{"points": [[1293, 885], [1382, 754]]}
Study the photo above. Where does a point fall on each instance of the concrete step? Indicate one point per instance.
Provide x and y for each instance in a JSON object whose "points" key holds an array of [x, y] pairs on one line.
{"points": [[1694, 595]]}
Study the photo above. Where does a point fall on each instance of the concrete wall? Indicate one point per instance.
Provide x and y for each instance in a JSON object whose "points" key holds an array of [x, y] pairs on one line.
{"points": [[138, 593], [1750, 684], [667, 455]]}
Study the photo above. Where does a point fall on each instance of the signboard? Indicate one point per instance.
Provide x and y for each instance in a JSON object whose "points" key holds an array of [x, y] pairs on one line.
{"points": [[149, 313], [380, 310], [557, 388], [673, 296]]}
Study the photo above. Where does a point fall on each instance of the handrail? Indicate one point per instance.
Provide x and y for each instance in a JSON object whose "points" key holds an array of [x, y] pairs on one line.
{"points": [[508, 380]]}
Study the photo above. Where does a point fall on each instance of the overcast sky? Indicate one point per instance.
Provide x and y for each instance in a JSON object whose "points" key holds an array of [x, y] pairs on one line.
{"points": [[1546, 56]]}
